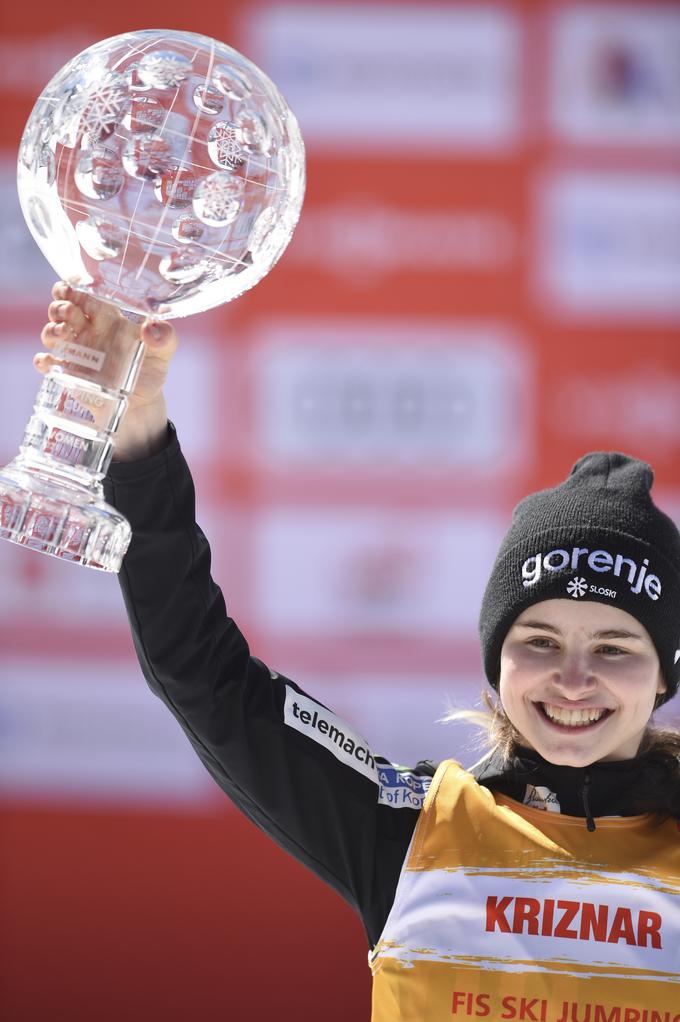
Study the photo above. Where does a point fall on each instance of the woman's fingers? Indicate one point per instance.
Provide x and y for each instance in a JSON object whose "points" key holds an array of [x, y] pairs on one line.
{"points": [[52, 333], [94, 324], [43, 362], [75, 315], [97, 311], [69, 315], [160, 337]]}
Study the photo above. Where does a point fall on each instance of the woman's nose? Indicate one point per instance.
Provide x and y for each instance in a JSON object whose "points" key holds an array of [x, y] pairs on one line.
{"points": [[574, 675]]}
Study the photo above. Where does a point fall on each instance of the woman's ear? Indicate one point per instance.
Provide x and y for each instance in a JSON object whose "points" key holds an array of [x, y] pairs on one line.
{"points": [[661, 690]]}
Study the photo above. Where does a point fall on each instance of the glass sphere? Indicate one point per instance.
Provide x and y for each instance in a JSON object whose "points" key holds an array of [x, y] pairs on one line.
{"points": [[161, 171]]}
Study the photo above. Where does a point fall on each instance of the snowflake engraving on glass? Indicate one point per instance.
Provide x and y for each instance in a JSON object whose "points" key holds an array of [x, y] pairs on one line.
{"points": [[161, 171]]}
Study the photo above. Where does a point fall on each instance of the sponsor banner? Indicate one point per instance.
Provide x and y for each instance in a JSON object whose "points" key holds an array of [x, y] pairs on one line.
{"points": [[354, 239], [608, 243], [92, 730], [383, 394], [372, 572], [431, 77], [615, 74]]}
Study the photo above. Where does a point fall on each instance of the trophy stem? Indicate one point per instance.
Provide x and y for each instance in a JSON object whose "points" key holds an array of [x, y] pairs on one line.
{"points": [[51, 494]]}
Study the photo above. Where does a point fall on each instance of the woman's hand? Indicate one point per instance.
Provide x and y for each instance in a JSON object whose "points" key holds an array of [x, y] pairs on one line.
{"points": [[97, 324]]}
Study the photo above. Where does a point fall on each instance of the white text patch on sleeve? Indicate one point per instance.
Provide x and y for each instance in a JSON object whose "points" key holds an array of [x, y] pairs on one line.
{"points": [[322, 726]]}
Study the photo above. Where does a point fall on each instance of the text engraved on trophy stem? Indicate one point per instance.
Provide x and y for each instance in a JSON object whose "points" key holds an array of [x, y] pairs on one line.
{"points": [[80, 355], [87, 397]]}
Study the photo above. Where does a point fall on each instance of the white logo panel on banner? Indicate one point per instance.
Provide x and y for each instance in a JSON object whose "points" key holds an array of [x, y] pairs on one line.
{"points": [[383, 394], [584, 407], [361, 241], [362, 572], [615, 74], [433, 77], [609, 243]]}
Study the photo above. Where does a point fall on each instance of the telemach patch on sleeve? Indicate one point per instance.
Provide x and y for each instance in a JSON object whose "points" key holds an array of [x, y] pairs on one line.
{"points": [[398, 787], [311, 719]]}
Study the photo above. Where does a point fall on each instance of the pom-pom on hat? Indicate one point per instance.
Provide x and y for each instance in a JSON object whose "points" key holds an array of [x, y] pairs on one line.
{"points": [[596, 536]]}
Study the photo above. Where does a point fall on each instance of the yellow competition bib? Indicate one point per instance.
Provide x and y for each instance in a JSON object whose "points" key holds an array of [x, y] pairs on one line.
{"points": [[506, 913]]}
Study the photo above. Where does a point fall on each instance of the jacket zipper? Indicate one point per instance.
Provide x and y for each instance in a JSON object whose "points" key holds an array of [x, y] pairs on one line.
{"points": [[585, 792]]}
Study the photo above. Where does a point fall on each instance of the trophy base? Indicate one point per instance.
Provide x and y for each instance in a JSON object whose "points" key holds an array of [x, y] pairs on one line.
{"points": [[53, 516]]}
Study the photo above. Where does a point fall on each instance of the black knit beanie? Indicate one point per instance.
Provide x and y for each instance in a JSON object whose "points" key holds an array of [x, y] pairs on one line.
{"points": [[596, 536]]}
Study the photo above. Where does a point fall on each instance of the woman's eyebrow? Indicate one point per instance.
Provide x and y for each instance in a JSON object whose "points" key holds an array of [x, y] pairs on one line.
{"points": [[616, 633], [609, 633], [541, 625]]}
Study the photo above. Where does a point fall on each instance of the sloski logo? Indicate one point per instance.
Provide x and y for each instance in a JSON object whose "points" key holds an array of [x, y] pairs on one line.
{"points": [[577, 587]]}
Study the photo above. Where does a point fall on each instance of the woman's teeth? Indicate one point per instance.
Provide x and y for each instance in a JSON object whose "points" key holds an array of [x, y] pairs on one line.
{"points": [[572, 718]]}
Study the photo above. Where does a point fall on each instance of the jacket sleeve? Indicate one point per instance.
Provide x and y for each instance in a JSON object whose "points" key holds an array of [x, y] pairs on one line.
{"points": [[295, 769]]}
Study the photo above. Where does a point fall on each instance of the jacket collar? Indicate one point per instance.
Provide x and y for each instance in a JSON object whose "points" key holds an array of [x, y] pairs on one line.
{"points": [[605, 788]]}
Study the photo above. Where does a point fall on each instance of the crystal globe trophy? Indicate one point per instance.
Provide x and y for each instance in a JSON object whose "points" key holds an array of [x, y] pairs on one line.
{"points": [[161, 171]]}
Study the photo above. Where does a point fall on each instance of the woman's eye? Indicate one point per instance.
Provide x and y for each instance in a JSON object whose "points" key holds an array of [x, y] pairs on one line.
{"points": [[541, 643], [612, 651]]}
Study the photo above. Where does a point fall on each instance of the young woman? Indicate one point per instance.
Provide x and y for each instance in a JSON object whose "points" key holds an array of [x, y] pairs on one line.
{"points": [[543, 886]]}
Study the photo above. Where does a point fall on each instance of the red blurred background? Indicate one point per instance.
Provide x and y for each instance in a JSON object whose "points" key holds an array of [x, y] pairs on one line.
{"points": [[485, 284]]}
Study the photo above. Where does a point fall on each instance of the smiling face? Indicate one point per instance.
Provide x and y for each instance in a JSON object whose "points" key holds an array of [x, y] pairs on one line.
{"points": [[579, 680]]}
